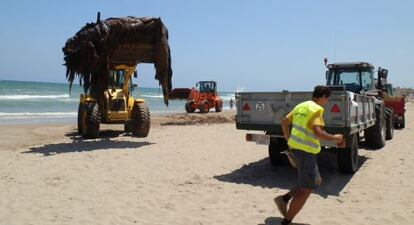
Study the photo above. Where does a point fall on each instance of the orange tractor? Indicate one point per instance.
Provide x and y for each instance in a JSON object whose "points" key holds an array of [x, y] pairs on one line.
{"points": [[204, 98]]}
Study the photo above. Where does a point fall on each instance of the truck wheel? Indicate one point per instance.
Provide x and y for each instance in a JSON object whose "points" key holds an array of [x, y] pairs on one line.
{"points": [[92, 120], [375, 135], [141, 120], [402, 124], [396, 125], [390, 124], [204, 106], [189, 108], [275, 148], [81, 118], [348, 157], [219, 106]]}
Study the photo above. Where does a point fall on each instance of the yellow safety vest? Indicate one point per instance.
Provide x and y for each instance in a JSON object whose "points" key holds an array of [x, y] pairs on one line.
{"points": [[301, 137]]}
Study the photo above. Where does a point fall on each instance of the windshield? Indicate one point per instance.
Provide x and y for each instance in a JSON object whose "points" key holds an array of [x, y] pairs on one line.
{"points": [[354, 79], [116, 78], [206, 87]]}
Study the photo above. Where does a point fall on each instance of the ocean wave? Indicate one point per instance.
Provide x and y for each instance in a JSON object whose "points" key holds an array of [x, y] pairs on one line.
{"points": [[23, 97], [152, 96], [240, 89], [68, 100], [24, 115], [228, 97]]}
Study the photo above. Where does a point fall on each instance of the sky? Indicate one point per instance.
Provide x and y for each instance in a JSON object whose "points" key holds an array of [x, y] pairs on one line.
{"points": [[244, 45]]}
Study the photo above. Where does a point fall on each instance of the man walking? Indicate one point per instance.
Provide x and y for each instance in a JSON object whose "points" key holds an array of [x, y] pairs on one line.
{"points": [[303, 140]]}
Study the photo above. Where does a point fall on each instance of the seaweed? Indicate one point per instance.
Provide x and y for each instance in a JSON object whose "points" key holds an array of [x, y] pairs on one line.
{"points": [[128, 40]]}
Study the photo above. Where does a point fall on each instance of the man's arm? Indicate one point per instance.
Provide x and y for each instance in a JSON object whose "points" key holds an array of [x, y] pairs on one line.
{"points": [[323, 135], [285, 128]]}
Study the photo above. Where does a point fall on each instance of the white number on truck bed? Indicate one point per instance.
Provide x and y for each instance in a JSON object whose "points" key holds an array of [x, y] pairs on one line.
{"points": [[260, 106]]}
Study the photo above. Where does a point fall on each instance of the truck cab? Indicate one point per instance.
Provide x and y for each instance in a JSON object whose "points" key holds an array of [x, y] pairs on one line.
{"points": [[357, 77]]}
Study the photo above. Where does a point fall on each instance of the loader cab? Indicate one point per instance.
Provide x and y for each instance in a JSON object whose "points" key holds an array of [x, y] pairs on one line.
{"points": [[356, 77], [207, 86], [116, 79]]}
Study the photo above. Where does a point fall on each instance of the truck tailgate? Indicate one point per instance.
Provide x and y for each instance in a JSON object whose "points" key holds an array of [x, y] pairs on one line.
{"points": [[265, 110]]}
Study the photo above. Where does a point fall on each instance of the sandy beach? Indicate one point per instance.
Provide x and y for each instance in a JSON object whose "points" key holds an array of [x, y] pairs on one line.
{"points": [[191, 170]]}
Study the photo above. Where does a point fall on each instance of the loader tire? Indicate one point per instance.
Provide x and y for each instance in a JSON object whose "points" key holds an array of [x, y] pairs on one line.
{"points": [[390, 124], [219, 106], [141, 120], [375, 135], [204, 107], [93, 120], [127, 126], [81, 118], [189, 108], [275, 148], [348, 157]]}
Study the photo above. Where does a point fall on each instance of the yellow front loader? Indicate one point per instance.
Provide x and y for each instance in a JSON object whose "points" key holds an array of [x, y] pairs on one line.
{"points": [[105, 55], [116, 106]]}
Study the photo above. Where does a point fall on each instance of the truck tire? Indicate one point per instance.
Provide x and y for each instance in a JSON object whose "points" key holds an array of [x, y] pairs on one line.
{"points": [[204, 107], [219, 106], [141, 120], [348, 157], [189, 108], [402, 124], [375, 135], [390, 124], [396, 124], [93, 120], [81, 118], [275, 148]]}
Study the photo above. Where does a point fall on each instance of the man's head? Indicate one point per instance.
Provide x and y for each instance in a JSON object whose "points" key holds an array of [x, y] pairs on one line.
{"points": [[321, 94]]}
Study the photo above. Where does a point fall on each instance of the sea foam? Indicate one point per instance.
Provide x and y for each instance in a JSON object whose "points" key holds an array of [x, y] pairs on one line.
{"points": [[22, 115], [23, 97]]}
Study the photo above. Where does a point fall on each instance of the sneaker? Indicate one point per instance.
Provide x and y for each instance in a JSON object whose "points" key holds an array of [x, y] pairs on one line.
{"points": [[281, 205], [285, 222]]}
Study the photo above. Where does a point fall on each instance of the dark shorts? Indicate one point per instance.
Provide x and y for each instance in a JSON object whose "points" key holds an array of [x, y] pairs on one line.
{"points": [[307, 169]]}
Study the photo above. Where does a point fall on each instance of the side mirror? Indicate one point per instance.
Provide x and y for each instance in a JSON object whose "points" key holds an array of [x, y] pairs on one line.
{"points": [[384, 83], [132, 87], [384, 73], [135, 74]]}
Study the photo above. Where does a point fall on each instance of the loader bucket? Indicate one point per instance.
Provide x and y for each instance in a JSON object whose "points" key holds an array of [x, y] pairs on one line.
{"points": [[117, 41], [179, 93]]}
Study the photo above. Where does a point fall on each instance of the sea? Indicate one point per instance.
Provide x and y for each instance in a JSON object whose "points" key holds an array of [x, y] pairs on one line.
{"points": [[23, 102]]}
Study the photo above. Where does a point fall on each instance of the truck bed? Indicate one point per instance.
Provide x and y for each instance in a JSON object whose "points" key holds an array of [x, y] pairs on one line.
{"points": [[345, 112]]}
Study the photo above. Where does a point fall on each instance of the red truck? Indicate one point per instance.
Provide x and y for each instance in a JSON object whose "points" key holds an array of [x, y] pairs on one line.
{"points": [[397, 103]]}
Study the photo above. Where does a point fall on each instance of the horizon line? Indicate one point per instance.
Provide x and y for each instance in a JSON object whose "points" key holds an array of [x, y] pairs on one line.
{"points": [[52, 82]]}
